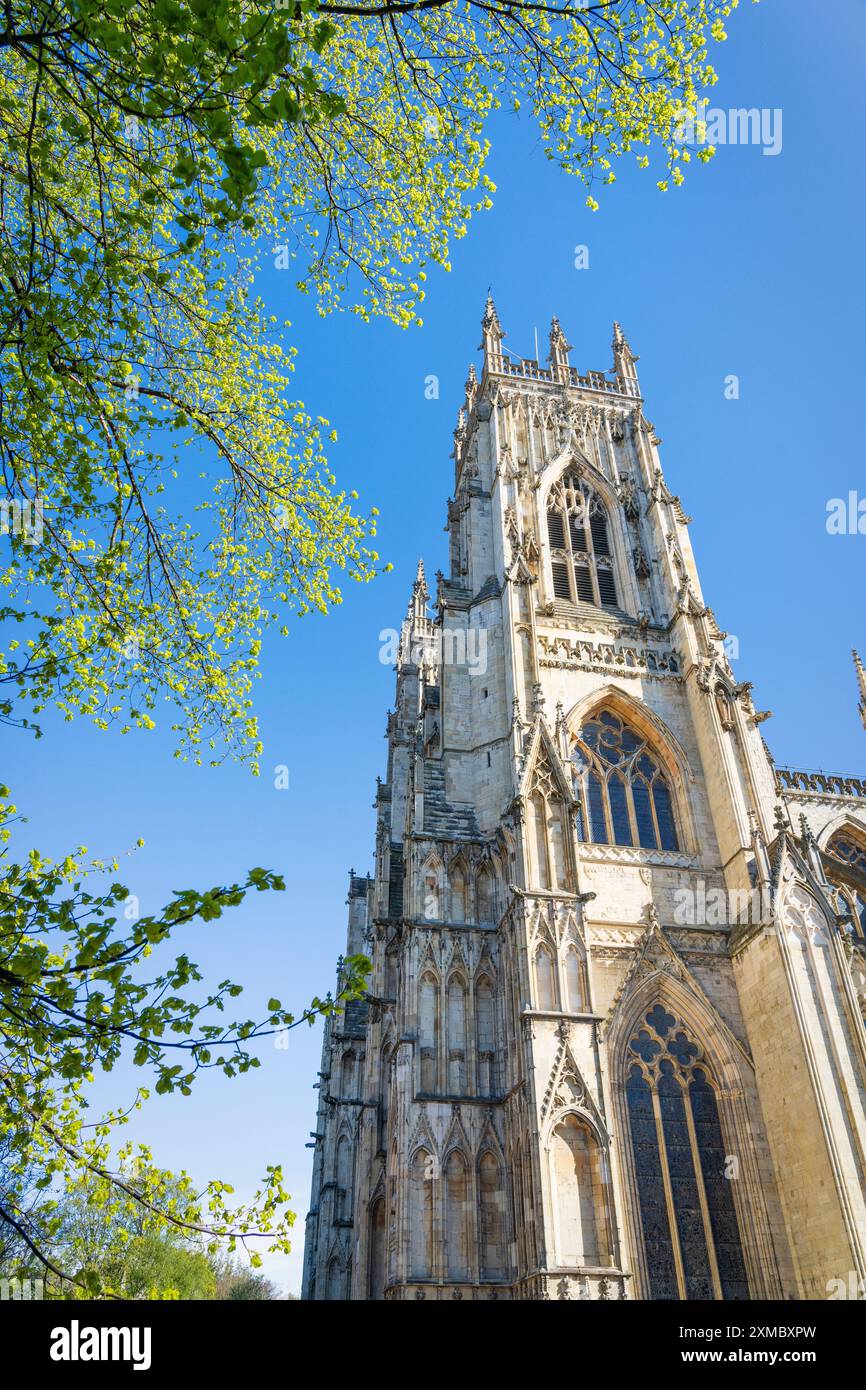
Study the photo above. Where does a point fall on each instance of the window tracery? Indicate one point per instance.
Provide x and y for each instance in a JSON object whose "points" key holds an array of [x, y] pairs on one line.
{"points": [[577, 532], [624, 794], [690, 1233], [850, 852]]}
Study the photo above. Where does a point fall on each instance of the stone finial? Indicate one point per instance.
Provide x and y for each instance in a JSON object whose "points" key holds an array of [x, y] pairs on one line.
{"points": [[420, 593], [763, 874], [624, 359], [559, 345], [490, 325], [861, 683], [470, 387]]}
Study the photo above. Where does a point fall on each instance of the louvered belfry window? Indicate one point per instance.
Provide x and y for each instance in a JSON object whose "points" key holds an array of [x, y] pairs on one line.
{"points": [[624, 795], [580, 555]]}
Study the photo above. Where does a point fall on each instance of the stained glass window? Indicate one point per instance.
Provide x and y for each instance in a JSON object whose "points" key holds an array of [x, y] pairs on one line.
{"points": [[577, 532], [849, 852], [624, 795], [688, 1220], [851, 886]]}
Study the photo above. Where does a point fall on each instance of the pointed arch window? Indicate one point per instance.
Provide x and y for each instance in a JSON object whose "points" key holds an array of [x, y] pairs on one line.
{"points": [[459, 910], [580, 1193], [431, 907], [428, 1031], [390, 974], [456, 1030], [348, 1074], [485, 1036], [485, 896], [580, 554], [421, 1216], [691, 1237], [491, 1201], [385, 1101], [343, 1180], [545, 978], [548, 829], [625, 796], [377, 1250], [576, 982], [456, 1216], [850, 879]]}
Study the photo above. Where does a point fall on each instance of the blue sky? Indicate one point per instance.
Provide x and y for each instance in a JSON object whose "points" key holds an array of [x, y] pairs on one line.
{"points": [[753, 268]]}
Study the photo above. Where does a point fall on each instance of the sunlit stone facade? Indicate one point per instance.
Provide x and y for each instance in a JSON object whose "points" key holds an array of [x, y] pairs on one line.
{"points": [[614, 1044]]}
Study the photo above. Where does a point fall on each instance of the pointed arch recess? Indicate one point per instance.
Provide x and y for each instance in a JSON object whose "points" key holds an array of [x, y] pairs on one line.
{"points": [[731, 1076]]}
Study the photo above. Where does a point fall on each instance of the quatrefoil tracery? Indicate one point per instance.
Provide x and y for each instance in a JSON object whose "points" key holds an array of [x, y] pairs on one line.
{"points": [[662, 1045]]}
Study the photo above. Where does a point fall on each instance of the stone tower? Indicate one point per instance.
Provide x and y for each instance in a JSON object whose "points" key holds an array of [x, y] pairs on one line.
{"points": [[614, 1045]]}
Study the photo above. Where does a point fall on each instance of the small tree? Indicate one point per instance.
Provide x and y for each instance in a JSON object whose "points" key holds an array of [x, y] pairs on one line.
{"points": [[76, 988]]}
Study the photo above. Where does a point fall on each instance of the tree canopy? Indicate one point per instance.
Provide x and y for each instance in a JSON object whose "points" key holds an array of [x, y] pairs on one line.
{"points": [[152, 153]]}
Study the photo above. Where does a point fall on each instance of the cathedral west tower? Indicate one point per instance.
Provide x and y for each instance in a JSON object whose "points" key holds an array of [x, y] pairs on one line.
{"points": [[614, 1043]]}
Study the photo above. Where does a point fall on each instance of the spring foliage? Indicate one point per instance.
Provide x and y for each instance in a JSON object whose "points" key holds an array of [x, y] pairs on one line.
{"points": [[84, 980], [153, 151]]}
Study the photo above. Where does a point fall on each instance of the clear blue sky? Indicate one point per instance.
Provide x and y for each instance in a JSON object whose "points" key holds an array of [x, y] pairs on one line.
{"points": [[754, 267]]}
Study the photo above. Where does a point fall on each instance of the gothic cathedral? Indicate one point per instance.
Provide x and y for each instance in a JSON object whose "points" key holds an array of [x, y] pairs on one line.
{"points": [[613, 1046]]}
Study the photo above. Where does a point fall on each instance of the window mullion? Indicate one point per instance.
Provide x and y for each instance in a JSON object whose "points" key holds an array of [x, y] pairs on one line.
{"points": [[632, 815], [593, 564], [652, 802], [629, 802], [702, 1195], [669, 1196], [608, 814], [566, 526], [584, 806]]}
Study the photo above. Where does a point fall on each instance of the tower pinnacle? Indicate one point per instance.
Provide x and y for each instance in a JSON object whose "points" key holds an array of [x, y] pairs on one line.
{"points": [[491, 329], [861, 682], [419, 586], [559, 345], [624, 360]]}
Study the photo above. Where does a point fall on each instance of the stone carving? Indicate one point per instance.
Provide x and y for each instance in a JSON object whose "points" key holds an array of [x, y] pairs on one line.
{"points": [[463, 1127], [574, 654]]}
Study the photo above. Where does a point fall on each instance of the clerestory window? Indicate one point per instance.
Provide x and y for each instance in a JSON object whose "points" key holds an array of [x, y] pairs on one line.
{"points": [[580, 554]]}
